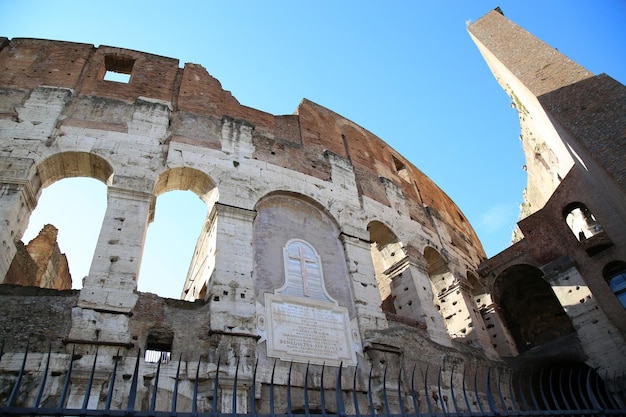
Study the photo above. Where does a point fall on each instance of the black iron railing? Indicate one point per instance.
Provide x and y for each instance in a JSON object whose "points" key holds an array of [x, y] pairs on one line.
{"points": [[548, 392]]}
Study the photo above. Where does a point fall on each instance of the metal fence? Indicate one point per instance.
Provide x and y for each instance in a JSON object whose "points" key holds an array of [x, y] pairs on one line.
{"points": [[544, 392]]}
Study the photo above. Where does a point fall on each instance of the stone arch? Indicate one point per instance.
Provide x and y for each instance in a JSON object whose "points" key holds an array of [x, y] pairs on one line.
{"points": [[284, 216], [530, 308], [581, 221], [493, 325], [41, 262], [202, 261], [389, 261], [448, 295], [71, 164]]}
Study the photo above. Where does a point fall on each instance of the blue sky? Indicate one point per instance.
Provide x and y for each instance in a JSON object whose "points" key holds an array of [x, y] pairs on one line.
{"points": [[405, 70]]}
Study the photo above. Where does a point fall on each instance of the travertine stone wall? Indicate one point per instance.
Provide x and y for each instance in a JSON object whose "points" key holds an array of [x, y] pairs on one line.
{"points": [[266, 179]]}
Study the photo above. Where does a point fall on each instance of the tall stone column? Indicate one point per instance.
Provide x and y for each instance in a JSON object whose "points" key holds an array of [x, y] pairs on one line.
{"points": [[112, 279], [418, 270], [363, 277], [231, 289], [477, 333], [17, 201]]}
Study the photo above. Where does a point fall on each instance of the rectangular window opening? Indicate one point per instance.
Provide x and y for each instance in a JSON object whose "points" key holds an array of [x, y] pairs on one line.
{"points": [[401, 169], [118, 68]]}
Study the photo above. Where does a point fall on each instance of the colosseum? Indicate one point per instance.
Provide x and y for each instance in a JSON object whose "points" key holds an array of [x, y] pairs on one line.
{"points": [[331, 275]]}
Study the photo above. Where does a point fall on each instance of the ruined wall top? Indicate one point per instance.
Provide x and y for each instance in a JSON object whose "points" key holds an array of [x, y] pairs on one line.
{"points": [[198, 104]]}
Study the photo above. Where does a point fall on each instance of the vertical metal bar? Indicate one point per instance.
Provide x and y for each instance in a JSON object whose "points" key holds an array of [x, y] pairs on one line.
{"points": [[107, 405], [427, 394], [357, 412], [18, 380], [322, 396], [606, 405], [400, 400], [272, 390], [176, 381], [571, 390], [490, 400], [467, 403], [44, 379], [215, 385], [253, 391], [90, 383], [66, 384], [155, 389], [289, 409], [520, 384], [132, 394], [416, 404], [234, 404], [581, 389], [341, 409], [456, 407], [443, 405], [542, 391], [562, 391], [512, 393], [369, 393], [592, 397], [194, 403], [554, 399], [502, 400], [385, 399], [480, 405], [307, 410], [532, 392], [1, 349]]}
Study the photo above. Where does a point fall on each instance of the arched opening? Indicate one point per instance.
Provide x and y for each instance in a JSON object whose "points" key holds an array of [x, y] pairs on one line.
{"points": [[179, 248], [530, 307], [499, 337], [615, 275], [170, 243], [390, 262], [581, 221], [447, 295], [586, 228], [58, 244]]}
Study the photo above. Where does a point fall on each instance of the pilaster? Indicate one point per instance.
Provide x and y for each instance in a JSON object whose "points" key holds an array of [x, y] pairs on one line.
{"points": [[363, 277], [231, 290], [112, 279], [436, 328], [17, 201]]}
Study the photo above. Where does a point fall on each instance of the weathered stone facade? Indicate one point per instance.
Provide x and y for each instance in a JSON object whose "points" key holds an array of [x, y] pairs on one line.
{"points": [[309, 216]]}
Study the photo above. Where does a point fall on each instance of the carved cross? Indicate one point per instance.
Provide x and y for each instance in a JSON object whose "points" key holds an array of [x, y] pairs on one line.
{"points": [[303, 259]]}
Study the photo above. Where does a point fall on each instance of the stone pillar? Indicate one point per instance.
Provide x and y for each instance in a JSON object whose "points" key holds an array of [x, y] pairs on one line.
{"points": [[476, 332], [231, 289], [602, 342], [112, 279], [418, 270], [363, 277], [17, 201]]}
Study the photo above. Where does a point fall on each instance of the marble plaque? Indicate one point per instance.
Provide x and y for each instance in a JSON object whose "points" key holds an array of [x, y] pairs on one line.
{"points": [[312, 331], [301, 322]]}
